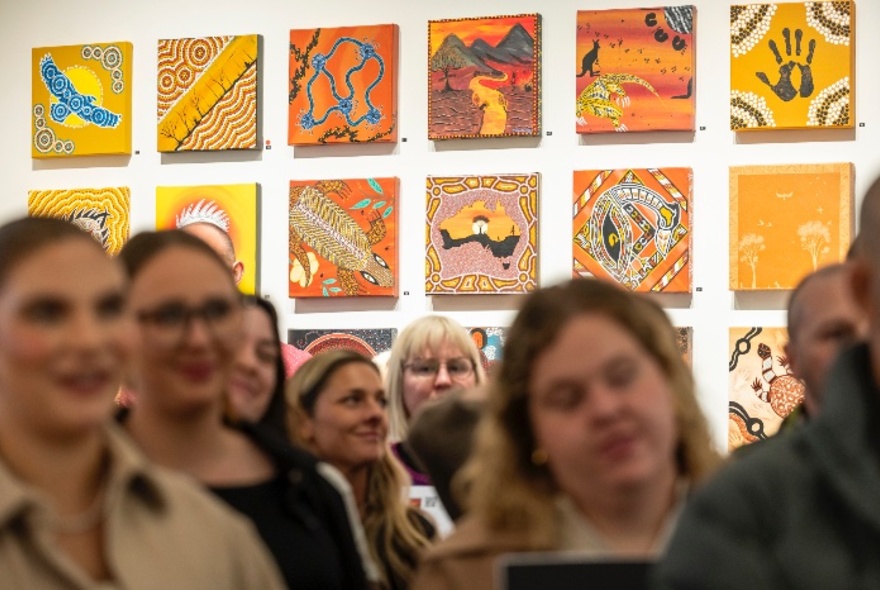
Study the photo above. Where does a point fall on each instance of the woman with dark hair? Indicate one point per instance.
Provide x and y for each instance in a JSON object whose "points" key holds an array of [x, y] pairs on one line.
{"points": [[256, 389], [189, 315], [337, 410], [78, 504], [590, 441]]}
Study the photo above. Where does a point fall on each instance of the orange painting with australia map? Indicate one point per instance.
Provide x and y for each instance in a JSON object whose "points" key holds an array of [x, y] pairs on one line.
{"points": [[635, 69], [484, 77]]}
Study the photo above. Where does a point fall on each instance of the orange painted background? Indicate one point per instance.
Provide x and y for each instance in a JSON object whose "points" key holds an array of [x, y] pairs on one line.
{"points": [[383, 96], [627, 46]]}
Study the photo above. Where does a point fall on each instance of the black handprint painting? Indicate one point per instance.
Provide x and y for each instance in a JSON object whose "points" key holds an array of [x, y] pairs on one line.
{"points": [[791, 65]]}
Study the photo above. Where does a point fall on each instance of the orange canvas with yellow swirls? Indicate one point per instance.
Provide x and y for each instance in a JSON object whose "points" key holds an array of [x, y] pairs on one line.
{"points": [[482, 234], [208, 93], [787, 221], [761, 389], [484, 77], [792, 65], [633, 227], [343, 238], [102, 212]]}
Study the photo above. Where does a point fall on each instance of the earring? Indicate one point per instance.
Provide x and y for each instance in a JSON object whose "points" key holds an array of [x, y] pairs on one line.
{"points": [[539, 457]]}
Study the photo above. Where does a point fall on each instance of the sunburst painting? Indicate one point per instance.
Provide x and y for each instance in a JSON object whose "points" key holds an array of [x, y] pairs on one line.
{"points": [[102, 212]]}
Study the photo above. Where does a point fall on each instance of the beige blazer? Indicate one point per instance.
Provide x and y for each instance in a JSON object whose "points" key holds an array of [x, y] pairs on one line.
{"points": [[162, 532]]}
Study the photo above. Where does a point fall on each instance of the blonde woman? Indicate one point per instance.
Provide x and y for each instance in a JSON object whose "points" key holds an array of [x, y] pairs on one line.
{"points": [[591, 439], [337, 410], [433, 355]]}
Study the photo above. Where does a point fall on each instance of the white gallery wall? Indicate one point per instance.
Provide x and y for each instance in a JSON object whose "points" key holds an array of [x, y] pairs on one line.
{"points": [[712, 308]]}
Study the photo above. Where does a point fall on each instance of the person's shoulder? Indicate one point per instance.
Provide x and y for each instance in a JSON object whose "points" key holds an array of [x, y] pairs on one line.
{"points": [[293, 358], [472, 537]]}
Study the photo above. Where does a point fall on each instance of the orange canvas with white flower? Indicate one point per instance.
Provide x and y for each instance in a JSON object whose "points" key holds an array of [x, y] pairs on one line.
{"points": [[787, 221], [343, 238]]}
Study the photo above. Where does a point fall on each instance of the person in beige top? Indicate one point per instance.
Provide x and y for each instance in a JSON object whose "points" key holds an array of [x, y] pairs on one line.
{"points": [[79, 507], [591, 437]]}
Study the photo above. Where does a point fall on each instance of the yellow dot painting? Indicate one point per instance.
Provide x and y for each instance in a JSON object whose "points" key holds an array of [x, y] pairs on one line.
{"points": [[102, 212]]}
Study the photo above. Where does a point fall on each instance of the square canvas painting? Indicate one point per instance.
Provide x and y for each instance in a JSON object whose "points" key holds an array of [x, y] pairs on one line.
{"points": [[787, 221], [482, 234], [343, 238], [207, 97], [367, 342], [103, 212], [490, 343], [484, 77], [81, 100], [762, 390], [636, 69], [633, 226], [792, 65], [342, 86], [224, 216]]}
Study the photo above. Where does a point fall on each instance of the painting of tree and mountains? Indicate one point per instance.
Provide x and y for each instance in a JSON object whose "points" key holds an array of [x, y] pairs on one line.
{"points": [[484, 77], [787, 221]]}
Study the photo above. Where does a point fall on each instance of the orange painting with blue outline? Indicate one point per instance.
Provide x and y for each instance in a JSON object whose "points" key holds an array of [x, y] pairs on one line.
{"points": [[343, 85], [635, 69], [343, 238]]}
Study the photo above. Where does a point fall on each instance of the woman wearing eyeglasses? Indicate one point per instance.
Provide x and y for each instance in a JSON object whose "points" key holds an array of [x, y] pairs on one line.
{"points": [[337, 410], [432, 356], [189, 315], [80, 507]]}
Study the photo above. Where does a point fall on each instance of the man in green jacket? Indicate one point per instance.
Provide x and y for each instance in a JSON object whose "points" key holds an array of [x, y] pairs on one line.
{"points": [[801, 511]]}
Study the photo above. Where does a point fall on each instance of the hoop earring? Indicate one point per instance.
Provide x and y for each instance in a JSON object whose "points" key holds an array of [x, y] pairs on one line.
{"points": [[539, 457]]}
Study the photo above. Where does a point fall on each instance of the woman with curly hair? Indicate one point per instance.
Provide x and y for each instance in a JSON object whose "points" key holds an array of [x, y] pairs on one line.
{"points": [[591, 438]]}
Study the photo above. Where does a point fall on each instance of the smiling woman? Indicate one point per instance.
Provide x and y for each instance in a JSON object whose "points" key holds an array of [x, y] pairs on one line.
{"points": [[189, 332], [592, 430], [337, 410], [66, 475]]}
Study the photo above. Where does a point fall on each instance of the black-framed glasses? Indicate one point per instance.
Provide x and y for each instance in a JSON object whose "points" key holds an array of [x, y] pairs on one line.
{"points": [[169, 321], [457, 368]]}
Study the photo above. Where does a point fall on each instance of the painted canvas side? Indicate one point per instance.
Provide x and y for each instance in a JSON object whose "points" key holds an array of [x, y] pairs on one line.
{"points": [[81, 100], [633, 227], [484, 77], [482, 234], [636, 69], [207, 93], [103, 212], [219, 214], [343, 85], [343, 238]]}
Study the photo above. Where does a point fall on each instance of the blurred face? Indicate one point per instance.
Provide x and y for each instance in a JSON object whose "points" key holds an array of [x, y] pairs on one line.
{"points": [[349, 424], [602, 409], [828, 320], [189, 318], [254, 376], [432, 373], [64, 339]]}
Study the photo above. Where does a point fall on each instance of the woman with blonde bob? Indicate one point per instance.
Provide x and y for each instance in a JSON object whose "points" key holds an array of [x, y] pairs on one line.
{"points": [[336, 409], [433, 355], [592, 431]]}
